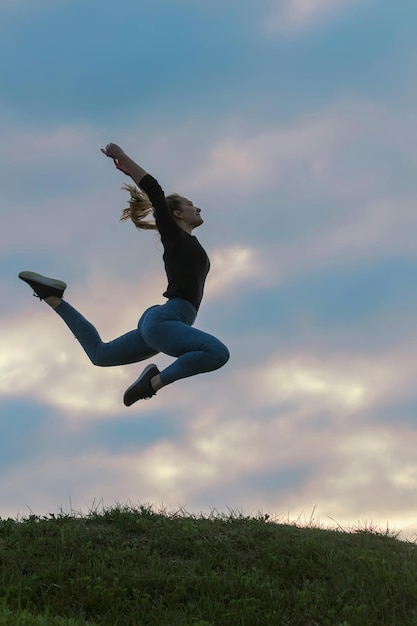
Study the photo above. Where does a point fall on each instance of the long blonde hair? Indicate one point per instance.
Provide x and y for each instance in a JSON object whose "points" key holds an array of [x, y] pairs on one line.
{"points": [[140, 207]]}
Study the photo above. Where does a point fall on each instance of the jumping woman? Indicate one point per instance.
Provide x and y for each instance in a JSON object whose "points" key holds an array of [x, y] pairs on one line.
{"points": [[168, 327]]}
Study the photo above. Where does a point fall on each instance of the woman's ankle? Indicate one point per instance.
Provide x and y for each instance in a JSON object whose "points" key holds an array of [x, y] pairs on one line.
{"points": [[53, 301], [156, 383]]}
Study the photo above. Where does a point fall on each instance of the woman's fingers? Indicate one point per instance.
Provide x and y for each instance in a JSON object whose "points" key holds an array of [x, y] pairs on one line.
{"points": [[112, 150]]}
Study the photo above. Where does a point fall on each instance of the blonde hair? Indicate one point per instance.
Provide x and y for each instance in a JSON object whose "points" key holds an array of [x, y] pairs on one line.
{"points": [[140, 207]]}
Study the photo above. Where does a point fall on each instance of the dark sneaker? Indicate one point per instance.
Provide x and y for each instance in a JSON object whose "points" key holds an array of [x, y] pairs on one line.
{"points": [[43, 286], [141, 388]]}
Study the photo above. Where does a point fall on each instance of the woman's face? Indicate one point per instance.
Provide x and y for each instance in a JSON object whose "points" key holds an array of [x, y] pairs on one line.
{"points": [[190, 213]]}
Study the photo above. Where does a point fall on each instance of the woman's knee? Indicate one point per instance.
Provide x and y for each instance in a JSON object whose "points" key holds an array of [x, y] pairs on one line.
{"points": [[97, 360], [220, 354], [99, 356], [225, 355]]}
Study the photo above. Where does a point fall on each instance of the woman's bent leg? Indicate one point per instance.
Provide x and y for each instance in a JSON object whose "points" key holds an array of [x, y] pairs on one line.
{"points": [[169, 330], [129, 348], [197, 352]]}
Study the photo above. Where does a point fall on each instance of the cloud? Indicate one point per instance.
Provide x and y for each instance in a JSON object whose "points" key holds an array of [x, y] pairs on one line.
{"points": [[320, 383], [372, 468], [296, 14], [231, 268], [309, 149]]}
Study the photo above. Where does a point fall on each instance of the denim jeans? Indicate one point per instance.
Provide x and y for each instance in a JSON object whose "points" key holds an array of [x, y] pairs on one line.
{"points": [[163, 328]]}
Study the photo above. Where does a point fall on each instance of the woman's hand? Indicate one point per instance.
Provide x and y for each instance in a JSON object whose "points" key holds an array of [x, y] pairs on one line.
{"points": [[123, 162], [113, 151]]}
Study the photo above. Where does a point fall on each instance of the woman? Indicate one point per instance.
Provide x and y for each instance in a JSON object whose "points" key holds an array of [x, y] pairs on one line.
{"points": [[163, 328]]}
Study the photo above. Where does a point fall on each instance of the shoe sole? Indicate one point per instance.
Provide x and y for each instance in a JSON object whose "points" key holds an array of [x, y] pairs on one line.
{"points": [[33, 277], [133, 385]]}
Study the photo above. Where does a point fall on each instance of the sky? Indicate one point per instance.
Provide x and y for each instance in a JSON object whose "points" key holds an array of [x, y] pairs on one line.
{"points": [[291, 123]]}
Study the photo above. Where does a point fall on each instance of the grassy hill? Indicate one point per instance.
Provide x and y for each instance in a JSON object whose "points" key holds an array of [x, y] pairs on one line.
{"points": [[133, 566]]}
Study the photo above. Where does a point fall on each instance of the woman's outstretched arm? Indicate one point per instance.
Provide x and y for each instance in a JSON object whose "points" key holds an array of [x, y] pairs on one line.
{"points": [[164, 220]]}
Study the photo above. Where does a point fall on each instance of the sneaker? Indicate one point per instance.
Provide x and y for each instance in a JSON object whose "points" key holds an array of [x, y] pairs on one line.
{"points": [[43, 286], [141, 388]]}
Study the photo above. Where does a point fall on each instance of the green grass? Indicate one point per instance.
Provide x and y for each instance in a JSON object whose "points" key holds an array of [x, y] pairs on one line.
{"points": [[133, 566]]}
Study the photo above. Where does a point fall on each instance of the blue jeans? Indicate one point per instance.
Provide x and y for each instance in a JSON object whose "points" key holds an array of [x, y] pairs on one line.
{"points": [[163, 328]]}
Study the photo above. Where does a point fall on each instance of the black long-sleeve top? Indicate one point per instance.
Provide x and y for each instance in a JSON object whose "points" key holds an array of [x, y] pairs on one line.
{"points": [[186, 261]]}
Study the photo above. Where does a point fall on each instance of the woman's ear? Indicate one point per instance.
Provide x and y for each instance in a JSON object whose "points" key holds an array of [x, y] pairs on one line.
{"points": [[177, 213]]}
